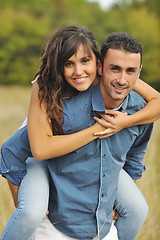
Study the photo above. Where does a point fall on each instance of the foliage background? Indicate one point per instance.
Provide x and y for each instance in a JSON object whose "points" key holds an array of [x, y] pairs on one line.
{"points": [[26, 25], [24, 28]]}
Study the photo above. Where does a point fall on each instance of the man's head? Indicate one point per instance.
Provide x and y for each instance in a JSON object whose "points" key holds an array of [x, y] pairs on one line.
{"points": [[121, 58]]}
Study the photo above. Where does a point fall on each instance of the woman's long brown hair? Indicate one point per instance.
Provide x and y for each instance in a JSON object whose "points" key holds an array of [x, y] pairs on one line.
{"points": [[50, 77]]}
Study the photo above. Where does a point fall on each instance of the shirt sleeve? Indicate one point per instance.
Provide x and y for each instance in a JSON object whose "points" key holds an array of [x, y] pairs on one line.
{"points": [[14, 153], [134, 165]]}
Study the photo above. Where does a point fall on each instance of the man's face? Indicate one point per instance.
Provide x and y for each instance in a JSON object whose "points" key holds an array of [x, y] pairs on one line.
{"points": [[120, 71]]}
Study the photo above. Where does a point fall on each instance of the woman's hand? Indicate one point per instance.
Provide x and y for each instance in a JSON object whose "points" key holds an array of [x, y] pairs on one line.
{"points": [[113, 121]]}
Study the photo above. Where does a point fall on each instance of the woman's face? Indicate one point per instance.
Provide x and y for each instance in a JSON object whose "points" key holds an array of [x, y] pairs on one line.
{"points": [[80, 69]]}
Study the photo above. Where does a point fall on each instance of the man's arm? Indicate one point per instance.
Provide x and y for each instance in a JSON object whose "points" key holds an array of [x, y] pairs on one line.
{"points": [[134, 160]]}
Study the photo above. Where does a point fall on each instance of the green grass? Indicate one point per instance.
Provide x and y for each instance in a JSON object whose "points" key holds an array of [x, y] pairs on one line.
{"points": [[14, 102]]}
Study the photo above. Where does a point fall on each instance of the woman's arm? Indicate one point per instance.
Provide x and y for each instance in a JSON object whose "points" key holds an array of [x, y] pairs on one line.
{"points": [[42, 142], [116, 121], [151, 112]]}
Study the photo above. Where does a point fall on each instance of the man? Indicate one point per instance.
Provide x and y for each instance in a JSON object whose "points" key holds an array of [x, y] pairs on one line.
{"points": [[84, 182], [83, 204]]}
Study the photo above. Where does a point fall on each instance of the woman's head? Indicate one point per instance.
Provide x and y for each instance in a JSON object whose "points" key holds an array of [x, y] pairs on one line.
{"points": [[60, 48], [80, 69], [54, 75]]}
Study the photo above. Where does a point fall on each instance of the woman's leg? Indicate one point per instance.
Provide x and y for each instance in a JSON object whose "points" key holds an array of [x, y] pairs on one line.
{"points": [[131, 206], [32, 202]]}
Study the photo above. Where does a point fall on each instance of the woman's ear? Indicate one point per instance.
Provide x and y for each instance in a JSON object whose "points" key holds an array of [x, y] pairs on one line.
{"points": [[99, 68]]}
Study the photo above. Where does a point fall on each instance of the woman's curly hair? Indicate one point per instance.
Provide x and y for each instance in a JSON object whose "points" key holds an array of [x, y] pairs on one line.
{"points": [[50, 77]]}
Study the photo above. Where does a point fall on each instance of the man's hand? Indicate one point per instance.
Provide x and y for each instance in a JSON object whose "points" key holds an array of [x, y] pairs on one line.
{"points": [[115, 215], [14, 190]]}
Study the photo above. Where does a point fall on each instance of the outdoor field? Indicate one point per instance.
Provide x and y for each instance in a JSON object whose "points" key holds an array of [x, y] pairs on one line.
{"points": [[14, 102]]}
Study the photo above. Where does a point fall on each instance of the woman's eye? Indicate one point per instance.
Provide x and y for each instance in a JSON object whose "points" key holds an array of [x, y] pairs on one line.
{"points": [[68, 64], [86, 60]]}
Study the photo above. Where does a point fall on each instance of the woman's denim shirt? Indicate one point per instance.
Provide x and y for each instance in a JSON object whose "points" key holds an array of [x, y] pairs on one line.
{"points": [[84, 182]]}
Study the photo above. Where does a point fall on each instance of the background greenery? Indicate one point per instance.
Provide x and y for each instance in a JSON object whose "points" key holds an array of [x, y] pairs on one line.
{"points": [[25, 25]]}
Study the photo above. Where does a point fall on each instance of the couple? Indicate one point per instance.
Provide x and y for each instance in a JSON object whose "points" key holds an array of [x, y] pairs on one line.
{"points": [[74, 92]]}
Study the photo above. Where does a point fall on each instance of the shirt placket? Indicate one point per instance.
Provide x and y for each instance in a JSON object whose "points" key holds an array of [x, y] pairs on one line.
{"points": [[101, 190], [101, 218]]}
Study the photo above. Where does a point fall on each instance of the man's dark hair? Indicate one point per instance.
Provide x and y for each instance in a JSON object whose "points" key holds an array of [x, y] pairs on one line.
{"points": [[122, 41]]}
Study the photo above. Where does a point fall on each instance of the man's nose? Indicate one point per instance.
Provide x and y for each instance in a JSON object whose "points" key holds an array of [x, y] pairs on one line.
{"points": [[122, 78]]}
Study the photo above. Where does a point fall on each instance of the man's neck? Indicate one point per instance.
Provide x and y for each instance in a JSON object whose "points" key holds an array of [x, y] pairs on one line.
{"points": [[109, 103]]}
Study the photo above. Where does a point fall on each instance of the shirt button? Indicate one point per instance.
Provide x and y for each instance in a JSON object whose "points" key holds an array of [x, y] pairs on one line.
{"points": [[102, 195], [104, 155], [104, 175]]}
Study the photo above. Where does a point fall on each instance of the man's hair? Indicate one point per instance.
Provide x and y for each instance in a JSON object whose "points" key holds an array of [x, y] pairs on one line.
{"points": [[122, 41]]}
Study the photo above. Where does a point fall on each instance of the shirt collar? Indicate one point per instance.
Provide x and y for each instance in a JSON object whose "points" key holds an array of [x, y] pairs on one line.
{"points": [[97, 99], [123, 105], [98, 104]]}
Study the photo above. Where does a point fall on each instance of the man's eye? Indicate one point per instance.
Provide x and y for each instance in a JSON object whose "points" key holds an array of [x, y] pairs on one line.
{"points": [[115, 69], [131, 70]]}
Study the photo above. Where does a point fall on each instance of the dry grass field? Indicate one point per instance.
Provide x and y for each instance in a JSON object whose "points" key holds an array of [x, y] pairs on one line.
{"points": [[14, 103]]}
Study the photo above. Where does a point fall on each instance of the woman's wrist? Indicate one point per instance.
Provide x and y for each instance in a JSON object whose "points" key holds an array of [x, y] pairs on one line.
{"points": [[96, 128], [131, 120]]}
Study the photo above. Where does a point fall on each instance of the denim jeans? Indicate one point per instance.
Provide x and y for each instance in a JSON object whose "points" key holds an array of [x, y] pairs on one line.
{"points": [[33, 203], [132, 207]]}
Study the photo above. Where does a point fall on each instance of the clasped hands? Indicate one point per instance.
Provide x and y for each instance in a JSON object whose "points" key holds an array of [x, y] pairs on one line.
{"points": [[112, 122]]}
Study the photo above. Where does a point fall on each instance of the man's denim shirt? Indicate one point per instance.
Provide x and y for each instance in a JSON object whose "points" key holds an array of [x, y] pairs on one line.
{"points": [[84, 182]]}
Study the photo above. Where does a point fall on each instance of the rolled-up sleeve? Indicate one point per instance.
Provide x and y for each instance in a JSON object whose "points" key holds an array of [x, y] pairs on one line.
{"points": [[14, 153], [134, 165]]}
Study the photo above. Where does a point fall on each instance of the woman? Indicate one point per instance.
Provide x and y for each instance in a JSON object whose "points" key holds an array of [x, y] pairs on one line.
{"points": [[69, 46]]}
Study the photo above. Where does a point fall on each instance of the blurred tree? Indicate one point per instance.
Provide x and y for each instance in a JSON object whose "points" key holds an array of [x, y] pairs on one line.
{"points": [[153, 6], [21, 38], [25, 26], [146, 30]]}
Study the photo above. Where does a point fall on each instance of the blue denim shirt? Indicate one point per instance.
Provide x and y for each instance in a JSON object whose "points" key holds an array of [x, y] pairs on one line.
{"points": [[84, 182]]}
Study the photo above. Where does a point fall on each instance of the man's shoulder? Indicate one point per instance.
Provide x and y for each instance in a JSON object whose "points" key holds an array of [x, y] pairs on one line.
{"points": [[136, 100]]}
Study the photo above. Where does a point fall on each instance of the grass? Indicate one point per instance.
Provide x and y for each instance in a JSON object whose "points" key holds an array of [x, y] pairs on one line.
{"points": [[14, 102], [149, 184]]}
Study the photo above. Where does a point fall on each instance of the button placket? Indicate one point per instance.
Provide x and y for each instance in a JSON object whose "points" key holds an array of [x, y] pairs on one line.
{"points": [[103, 174]]}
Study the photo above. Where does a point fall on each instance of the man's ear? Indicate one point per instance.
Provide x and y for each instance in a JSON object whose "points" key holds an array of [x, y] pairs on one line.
{"points": [[139, 71], [99, 68]]}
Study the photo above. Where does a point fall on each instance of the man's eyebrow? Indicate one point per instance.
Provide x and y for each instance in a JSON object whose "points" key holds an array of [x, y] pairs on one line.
{"points": [[115, 66], [132, 68], [118, 67]]}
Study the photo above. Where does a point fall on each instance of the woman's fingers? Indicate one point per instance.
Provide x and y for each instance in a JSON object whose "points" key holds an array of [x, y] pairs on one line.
{"points": [[113, 121], [103, 122]]}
